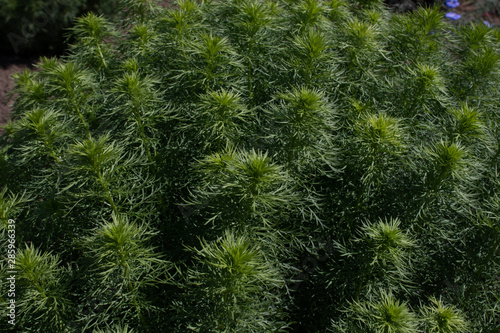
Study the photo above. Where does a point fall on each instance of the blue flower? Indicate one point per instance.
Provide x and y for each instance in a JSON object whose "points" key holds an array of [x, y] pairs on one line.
{"points": [[453, 16]]}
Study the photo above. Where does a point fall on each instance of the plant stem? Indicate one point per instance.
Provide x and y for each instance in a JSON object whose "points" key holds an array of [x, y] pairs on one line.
{"points": [[109, 197], [250, 70], [139, 122], [101, 55], [134, 298], [48, 146], [78, 112]]}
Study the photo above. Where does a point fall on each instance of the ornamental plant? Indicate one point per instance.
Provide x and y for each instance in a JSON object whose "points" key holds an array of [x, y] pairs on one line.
{"points": [[257, 166]]}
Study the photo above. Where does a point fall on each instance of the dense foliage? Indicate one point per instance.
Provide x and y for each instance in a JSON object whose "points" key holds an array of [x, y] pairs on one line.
{"points": [[258, 166]]}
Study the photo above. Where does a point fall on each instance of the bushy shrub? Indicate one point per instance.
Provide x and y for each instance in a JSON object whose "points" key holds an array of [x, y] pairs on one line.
{"points": [[257, 166]]}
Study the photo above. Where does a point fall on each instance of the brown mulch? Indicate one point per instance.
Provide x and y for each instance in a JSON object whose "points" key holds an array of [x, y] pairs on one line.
{"points": [[473, 10], [8, 66]]}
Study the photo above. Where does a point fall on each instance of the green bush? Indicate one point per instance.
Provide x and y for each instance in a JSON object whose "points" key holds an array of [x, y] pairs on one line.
{"points": [[38, 25], [257, 166]]}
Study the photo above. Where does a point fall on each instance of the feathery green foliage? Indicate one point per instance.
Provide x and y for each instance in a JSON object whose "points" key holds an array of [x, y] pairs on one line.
{"points": [[442, 318], [385, 315], [43, 300], [257, 166], [230, 274]]}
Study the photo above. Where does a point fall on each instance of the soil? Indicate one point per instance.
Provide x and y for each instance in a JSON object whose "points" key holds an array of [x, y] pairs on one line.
{"points": [[470, 10], [8, 66], [476, 11]]}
